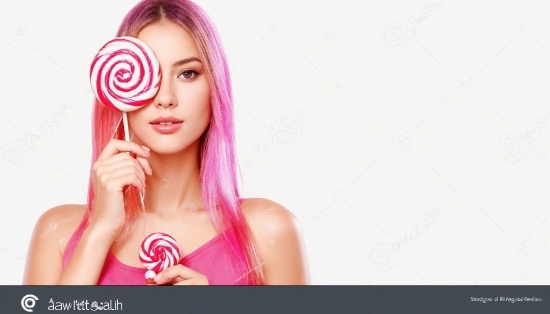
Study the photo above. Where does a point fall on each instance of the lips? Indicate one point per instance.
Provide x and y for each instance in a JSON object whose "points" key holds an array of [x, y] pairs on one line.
{"points": [[166, 125], [166, 128], [166, 120]]}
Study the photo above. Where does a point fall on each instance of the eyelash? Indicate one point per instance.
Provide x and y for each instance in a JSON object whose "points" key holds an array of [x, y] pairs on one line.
{"points": [[187, 71]]}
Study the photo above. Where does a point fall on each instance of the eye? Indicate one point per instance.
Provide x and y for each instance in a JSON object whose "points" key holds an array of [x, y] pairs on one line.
{"points": [[189, 74]]}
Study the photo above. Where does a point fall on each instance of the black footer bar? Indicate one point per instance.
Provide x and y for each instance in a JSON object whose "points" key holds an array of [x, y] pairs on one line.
{"points": [[275, 299]]}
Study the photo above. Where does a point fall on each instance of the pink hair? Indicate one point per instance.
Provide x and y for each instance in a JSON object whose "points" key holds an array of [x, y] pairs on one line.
{"points": [[218, 163]]}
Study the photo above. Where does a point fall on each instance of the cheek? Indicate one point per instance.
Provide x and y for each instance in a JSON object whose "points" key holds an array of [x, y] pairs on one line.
{"points": [[132, 119], [199, 100], [135, 118]]}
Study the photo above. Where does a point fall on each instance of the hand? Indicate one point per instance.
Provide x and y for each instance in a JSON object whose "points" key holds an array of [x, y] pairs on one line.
{"points": [[113, 170], [180, 275]]}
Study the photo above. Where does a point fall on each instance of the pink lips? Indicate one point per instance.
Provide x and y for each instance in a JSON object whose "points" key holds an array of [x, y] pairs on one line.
{"points": [[167, 128], [166, 125]]}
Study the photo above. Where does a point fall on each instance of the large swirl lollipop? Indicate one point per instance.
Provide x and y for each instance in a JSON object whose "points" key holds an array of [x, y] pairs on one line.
{"points": [[125, 75], [158, 252]]}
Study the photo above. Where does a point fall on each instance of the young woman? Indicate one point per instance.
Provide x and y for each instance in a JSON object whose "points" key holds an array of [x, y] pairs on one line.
{"points": [[187, 172]]}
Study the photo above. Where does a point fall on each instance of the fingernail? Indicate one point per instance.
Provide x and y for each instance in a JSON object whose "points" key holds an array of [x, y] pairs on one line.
{"points": [[146, 148], [157, 278]]}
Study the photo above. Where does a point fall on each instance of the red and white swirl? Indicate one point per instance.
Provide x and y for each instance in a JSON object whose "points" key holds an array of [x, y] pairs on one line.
{"points": [[125, 74], [159, 251]]}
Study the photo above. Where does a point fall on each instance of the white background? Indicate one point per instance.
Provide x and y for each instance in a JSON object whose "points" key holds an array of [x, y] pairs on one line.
{"points": [[410, 138]]}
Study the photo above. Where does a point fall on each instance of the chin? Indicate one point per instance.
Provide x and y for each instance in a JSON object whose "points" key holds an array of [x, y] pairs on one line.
{"points": [[167, 150], [165, 146]]}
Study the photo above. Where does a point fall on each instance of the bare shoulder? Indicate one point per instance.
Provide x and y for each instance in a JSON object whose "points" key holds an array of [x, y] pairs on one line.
{"points": [[267, 218], [59, 223], [60, 217], [278, 235], [51, 234]]}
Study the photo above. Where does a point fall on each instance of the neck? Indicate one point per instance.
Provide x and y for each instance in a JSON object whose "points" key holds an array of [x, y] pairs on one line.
{"points": [[175, 182]]}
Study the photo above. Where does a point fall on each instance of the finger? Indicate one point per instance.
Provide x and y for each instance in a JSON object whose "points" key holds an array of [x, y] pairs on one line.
{"points": [[119, 182], [145, 165], [190, 282], [111, 160], [173, 272], [175, 281], [135, 181], [118, 161], [127, 162], [114, 162], [118, 146], [124, 168], [116, 158]]}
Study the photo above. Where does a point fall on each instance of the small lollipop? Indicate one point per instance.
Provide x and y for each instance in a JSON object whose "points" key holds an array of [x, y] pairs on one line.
{"points": [[158, 252], [125, 75]]}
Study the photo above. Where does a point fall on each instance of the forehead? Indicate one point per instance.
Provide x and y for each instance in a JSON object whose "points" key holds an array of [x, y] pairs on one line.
{"points": [[169, 41]]}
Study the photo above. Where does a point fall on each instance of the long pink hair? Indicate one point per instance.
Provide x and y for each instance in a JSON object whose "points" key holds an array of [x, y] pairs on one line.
{"points": [[218, 163]]}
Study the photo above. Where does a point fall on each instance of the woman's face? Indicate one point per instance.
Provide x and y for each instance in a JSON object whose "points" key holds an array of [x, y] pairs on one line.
{"points": [[184, 93]]}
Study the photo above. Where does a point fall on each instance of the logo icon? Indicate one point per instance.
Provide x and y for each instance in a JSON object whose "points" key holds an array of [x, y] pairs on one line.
{"points": [[382, 257], [513, 148], [28, 302]]}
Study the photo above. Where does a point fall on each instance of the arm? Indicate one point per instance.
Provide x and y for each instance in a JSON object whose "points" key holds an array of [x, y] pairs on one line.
{"points": [[113, 170], [279, 238], [44, 258], [87, 261]]}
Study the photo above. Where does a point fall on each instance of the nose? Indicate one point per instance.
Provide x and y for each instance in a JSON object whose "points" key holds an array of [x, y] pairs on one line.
{"points": [[165, 96]]}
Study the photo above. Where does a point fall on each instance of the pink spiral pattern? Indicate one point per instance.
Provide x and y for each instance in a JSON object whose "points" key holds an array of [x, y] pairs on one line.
{"points": [[125, 74], [159, 251]]}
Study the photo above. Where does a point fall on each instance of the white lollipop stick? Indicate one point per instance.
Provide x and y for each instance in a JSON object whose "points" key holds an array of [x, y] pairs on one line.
{"points": [[127, 139], [125, 122]]}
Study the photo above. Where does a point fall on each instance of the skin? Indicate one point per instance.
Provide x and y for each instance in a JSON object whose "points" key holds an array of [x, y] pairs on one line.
{"points": [[185, 94]]}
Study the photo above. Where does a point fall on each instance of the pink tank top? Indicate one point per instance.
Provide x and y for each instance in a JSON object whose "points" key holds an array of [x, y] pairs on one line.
{"points": [[214, 259]]}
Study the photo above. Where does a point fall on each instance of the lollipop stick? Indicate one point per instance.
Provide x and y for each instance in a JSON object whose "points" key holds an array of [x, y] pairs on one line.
{"points": [[125, 121], [127, 139]]}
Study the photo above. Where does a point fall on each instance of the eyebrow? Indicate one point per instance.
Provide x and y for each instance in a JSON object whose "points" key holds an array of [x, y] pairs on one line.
{"points": [[184, 61]]}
